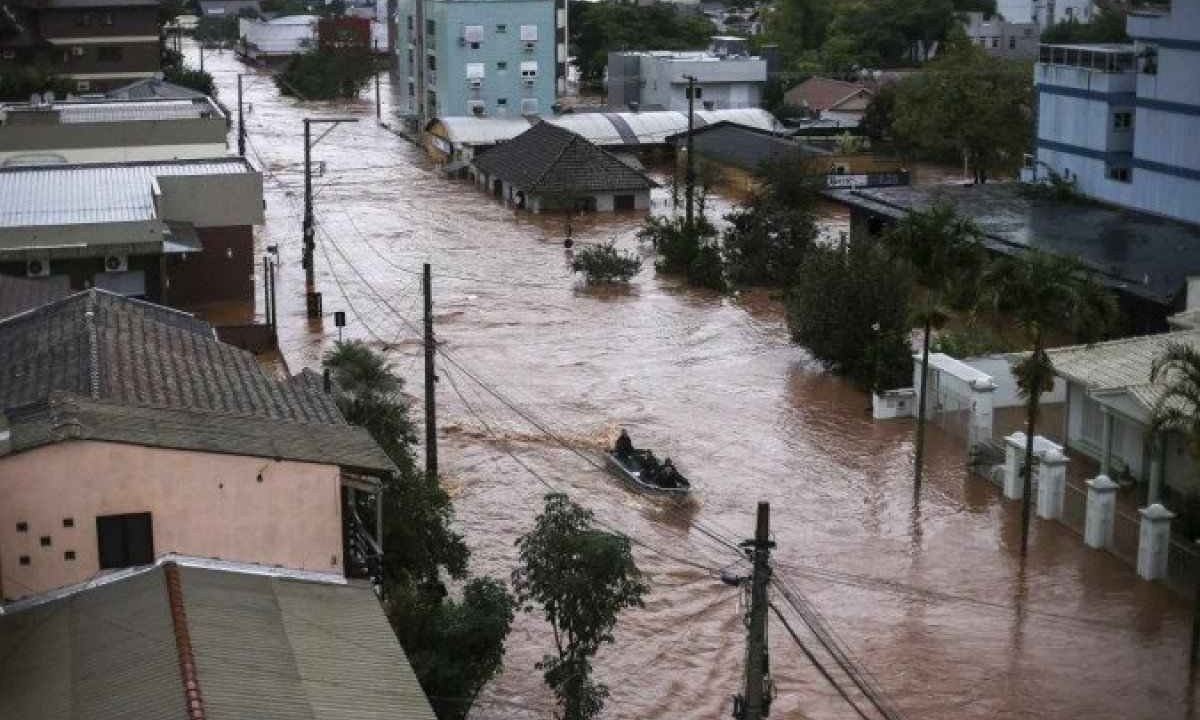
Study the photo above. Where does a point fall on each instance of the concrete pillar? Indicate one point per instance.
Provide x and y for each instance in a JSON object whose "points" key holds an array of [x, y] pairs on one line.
{"points": [[1051, 485], [1101, 512], [1154, 542], [1158, 466], [1106, 443], [1014, 458], [980, 429]]}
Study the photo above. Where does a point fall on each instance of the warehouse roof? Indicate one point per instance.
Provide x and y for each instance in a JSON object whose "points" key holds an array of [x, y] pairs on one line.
{"points": [[737, 145], [76, 194], [230, 641], [107, 111], [103, 367], [602, 128], [548, 159]]}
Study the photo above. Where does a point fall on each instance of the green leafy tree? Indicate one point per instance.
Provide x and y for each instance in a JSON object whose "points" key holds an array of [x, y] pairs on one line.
{"points": [[798, 27], [880, 114], [598, 28], [688, 251], [849, 308], [769, 233], [327, 74], [582, 578], [604, 263], [211, 29], [1107, 27], [944, 254], [967, 105], [1045, 293], [420, 545]]}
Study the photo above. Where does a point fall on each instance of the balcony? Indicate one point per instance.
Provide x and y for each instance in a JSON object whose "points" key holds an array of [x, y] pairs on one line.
{"points": [[361, 547], [1114, 58]]}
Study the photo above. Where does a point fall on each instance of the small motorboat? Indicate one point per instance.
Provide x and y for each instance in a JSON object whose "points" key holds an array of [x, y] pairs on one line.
{"points": [[629, 469]]}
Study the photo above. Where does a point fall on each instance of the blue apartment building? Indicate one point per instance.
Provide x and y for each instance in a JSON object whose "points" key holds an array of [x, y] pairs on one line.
{"points": [[483, 58]]}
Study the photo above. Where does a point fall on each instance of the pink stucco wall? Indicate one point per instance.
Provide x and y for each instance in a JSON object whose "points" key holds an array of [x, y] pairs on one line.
{"points": [[202, 504]]}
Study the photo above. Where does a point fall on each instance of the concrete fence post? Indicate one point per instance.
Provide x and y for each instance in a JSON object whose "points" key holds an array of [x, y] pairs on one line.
{"points": [[982, 412], [1101, 512], [1154, 542], [1052, 485], [1014, 458]]}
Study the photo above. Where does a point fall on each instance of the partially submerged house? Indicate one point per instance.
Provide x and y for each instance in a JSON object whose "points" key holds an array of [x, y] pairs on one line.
{"points": [[832, 100], [127, 430], [549, 167], [192, 638], [278, 39]]}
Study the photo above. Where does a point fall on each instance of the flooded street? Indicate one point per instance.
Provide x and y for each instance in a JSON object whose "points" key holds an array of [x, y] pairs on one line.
{"points": [[935, 604]]}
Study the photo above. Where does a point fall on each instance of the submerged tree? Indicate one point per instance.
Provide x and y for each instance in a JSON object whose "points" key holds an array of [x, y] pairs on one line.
{"points": [[944, 253], [582, 578], [604, 263], [455, 646], [1045, 293]]}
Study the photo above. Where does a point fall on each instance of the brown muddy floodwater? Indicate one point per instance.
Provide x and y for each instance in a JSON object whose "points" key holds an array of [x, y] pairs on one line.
{"points": [[935, 604]]}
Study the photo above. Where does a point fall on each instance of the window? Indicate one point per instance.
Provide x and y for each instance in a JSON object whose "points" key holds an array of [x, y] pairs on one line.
{"points": [[431, 62], [699, 93], [24, 560], [529, 33], [995, 42], [1092, 427], [412, 59], [624, 202], [109, 54], [501, 29], [430, 27], [1120, 174], [68, 555], [501, 66], [108, 18], [83, 85], [412, 89], [22, 527], [125, 540], [45, 540], [410, 21], [68, 522], [501, 101], [529, 70], [1122, 120], [1012, 42], [529, 106]]}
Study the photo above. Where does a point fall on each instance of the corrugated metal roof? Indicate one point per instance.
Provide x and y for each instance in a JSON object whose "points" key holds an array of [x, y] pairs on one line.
{"points": [[605, 129], [117, 111], [78, 194]]}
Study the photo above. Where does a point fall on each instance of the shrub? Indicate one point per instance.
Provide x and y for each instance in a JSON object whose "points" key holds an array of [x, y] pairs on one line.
{"points": [[691, 253], [189, 78], [326, 75], [604, 263]]}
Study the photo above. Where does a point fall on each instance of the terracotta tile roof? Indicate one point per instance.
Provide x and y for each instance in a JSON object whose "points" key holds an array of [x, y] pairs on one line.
{"points": [[820, 94], [104, 367], [260, 646], [547, 159]]}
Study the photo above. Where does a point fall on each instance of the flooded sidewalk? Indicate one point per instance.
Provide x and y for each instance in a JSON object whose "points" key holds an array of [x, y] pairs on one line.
{"points": [[934, 601]]}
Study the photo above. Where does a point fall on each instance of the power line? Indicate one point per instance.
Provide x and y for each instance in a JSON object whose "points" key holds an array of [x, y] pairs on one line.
{"points": [[817, 663]]}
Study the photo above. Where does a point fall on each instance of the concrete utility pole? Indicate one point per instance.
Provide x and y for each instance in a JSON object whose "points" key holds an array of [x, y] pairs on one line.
{"points": [[241, 121], [312, 297], [689, 179], [757, 701], [431, 458]]}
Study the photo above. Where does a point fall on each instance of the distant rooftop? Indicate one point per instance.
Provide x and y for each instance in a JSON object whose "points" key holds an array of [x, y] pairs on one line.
{"points": [[1134, 253], [152, 88], [76, 112]]}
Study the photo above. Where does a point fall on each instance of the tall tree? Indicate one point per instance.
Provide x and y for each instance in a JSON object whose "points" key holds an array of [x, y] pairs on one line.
{"points": [[455, 646], [968, 105], [582, 578], [945, 254], [598, 28], [1045, 293]]}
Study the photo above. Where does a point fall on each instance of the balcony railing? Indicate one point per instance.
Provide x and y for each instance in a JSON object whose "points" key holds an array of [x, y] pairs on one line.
{"points": [[1116, 59]]}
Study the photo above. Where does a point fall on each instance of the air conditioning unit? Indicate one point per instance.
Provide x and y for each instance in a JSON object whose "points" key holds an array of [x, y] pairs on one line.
{"points": [[39, 267], [530, 46], [77, 51], [475, 83], [116, 263], [478, 109]]}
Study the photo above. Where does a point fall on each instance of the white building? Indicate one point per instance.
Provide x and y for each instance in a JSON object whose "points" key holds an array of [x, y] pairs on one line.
{"points": [[1123, 121], [1045, 13], [727, 78], [278, 38]]}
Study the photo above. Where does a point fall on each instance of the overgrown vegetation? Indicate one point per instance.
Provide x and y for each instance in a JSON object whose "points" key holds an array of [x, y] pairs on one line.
{"points": [[26, 81], [175, 71], [688, 251], [455, 646], [849, 307], [771, 231], [604, 263], [326, 74], [598, 28], [967, 106], [1108, 26], [581, 578]]}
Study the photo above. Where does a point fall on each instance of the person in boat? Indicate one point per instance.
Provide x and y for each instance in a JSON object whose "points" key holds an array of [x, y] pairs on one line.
{"points": [[624, 446], [650, 468], [668, 476]]}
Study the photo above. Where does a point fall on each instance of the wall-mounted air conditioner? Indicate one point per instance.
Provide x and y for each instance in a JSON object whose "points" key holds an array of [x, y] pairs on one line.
{"points": [[116, 263]]}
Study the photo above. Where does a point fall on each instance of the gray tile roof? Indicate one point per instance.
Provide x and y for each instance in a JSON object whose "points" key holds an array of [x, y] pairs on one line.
{"points": [[268, 648], [1120, 365], [151, 88], [19, 294], [73, 194], [111, 368], [737, 145], [548, 159]]}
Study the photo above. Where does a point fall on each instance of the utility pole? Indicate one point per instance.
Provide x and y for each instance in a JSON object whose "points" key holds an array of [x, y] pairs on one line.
{"points": [[1195, 647], [312, 297], [378, 110], [690, 174], [757, 701], [241, 121], [200, 49], [431, 458]]}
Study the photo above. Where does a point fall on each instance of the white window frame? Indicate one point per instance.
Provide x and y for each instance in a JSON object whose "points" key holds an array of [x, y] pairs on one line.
{"points": [[529, 33]]}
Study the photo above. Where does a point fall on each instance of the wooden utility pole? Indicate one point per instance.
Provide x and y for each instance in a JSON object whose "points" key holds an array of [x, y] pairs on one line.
{"points": [[241, 121], [689, 178], [431, 458], [757, 701]]}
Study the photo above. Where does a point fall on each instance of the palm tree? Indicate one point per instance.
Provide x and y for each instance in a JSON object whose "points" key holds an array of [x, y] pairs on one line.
{"points": [[945, 253], [1044, 293], [1178, 407]]}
